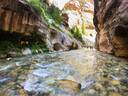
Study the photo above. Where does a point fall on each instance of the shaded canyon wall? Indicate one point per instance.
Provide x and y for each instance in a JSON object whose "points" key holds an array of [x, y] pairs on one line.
{"points": [[17, 16], [111, 22]]}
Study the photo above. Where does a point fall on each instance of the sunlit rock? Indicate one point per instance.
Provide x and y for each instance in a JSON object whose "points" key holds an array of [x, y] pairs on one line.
{"points": [[74, 19], [57, 3]]}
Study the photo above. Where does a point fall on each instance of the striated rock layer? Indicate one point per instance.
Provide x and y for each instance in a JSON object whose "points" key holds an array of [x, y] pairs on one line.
{"points": [[19, 17], [111, 22]]}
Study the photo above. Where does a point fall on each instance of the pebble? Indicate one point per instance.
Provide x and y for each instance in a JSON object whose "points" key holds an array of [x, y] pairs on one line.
{"points": [[22, 92], [41, 74], [115, 82]]}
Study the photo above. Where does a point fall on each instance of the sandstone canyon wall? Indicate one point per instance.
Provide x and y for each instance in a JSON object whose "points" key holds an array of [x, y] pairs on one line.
{"points": [[111, 22], [18, 16]]}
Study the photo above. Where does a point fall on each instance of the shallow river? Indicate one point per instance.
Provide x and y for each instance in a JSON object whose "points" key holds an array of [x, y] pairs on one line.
{"points": [[75, 73]]}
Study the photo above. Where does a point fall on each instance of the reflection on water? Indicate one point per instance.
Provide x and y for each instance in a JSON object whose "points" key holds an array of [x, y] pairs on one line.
{"points": [[75, 73]]}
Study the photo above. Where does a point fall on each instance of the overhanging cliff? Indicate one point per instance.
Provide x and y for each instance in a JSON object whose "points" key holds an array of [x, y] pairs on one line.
{"points": [[111, 22], [18, 16]]}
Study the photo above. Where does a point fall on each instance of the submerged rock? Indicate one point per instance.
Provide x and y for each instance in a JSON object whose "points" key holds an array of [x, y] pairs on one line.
{"points": [[73, 73], [69, 84]]}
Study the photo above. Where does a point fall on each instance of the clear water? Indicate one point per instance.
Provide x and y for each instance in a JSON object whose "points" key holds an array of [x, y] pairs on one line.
{"points": [[38, 75]]}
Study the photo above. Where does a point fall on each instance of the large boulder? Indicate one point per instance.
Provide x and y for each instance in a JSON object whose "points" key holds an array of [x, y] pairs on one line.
{"points": [[111, 22]]}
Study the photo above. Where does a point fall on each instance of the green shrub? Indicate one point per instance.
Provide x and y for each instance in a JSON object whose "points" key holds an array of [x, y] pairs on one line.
{"points": [[55, 14], [49, 13], [78, 31]]}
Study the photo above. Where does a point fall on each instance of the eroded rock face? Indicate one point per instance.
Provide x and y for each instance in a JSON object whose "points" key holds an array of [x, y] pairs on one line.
{"points": [[59, 41], [111, 22], [18, 16]]}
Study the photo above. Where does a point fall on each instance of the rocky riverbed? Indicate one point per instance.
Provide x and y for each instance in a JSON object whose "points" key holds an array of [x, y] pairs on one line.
{"points": [[74, 73]]}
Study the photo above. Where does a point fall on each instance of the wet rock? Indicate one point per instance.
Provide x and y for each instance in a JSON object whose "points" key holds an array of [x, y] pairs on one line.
{"points": [[69, 85], [124, 81], [114, 94], [3, 56], [34, 61], [115, 82], [8, 58], [13, 54], [59, 47], [26, 51], [98, 87], [91, 91], [10, 92], [22, 92], [73, 73]]}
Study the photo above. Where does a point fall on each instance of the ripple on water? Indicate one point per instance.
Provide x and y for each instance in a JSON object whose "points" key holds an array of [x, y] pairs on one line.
{"points": [[43, 73], [90, 69]]}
